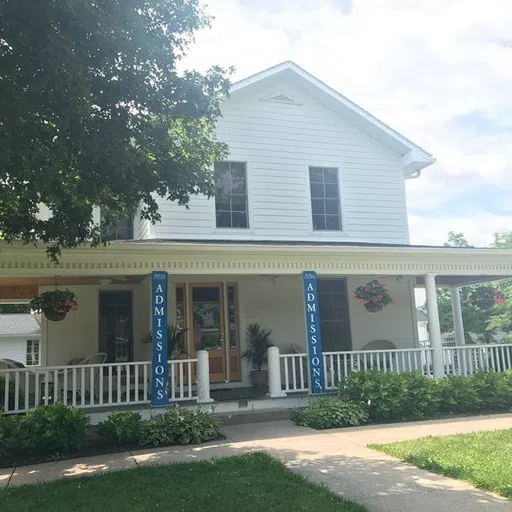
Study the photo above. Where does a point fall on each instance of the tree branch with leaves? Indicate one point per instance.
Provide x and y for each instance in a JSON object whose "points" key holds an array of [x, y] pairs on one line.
{"points": [[95, 114]]}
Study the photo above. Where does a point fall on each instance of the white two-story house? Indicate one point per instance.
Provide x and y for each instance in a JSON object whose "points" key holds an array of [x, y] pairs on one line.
{"points": [[312, 182]]}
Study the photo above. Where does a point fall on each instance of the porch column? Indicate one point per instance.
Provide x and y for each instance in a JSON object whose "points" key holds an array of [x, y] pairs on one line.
{"points": [[274, 373], [458, 356], [458, 324], [434, 327], [203, 377]]}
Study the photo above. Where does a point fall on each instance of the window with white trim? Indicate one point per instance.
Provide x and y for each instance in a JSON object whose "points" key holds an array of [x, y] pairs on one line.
{"points": [[33, 354], [123, 230], [325, 198], [231, 205]]}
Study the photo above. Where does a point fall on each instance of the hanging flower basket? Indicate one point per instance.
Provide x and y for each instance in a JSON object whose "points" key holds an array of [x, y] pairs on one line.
{"points": [[374, 296], [373, 307], [55, 316], [485, 297], [55, 304]]}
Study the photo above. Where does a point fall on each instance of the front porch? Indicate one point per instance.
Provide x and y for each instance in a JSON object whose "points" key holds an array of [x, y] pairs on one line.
{"points": [[118, 385], [216, 291]]}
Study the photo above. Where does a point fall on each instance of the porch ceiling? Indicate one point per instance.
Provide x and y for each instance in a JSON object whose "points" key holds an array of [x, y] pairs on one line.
{"points": [[135, 260], [462, 280], [23, 289], [70, 280]]}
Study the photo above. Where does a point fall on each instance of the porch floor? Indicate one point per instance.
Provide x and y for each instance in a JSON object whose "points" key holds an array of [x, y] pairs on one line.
{"points": [[234, 394]]}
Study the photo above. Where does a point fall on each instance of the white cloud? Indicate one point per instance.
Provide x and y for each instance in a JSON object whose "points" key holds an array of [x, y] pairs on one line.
{"points": [[415, 64]]}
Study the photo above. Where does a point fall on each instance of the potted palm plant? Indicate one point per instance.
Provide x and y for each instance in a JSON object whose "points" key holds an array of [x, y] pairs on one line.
{"points": [[176, 342], [258, 341]]}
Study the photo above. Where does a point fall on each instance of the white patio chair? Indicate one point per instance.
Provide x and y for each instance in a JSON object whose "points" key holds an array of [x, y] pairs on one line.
{"points": [[7, 364], [99, 358], [377, 360], [11, 364]]}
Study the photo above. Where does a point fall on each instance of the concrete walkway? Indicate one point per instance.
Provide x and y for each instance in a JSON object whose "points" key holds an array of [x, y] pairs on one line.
{"points": [[338, 459]]}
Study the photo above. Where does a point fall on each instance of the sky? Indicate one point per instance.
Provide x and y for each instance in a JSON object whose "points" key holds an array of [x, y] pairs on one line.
{"points": [[437, 71]]}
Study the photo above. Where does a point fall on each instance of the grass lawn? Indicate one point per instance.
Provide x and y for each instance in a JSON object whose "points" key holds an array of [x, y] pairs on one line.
{"points": [[482, 458], [253, 482]]}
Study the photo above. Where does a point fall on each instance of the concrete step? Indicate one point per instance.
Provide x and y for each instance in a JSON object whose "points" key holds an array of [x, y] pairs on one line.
{"points": [[242, 418]]}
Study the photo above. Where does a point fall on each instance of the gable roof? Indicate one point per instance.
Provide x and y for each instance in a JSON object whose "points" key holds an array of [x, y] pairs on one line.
{"points": [[19, 324], [413, 157]]}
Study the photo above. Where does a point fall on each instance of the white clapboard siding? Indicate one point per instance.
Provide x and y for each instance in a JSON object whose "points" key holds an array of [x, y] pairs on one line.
{"points": [[141, 227], [279, 141]]}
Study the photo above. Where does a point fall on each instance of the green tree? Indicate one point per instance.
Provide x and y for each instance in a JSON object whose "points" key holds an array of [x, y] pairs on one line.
{"points": [[501, 320], [95, 113], [502, 240], [475, 320], [14, 308], [456, 240]]}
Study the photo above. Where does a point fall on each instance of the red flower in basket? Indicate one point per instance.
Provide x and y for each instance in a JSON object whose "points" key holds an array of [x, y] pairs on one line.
{"points": [[373, 295], [485, 297], [55, 304]]}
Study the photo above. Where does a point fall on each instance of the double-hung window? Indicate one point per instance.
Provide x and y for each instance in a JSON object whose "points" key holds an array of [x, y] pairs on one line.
{"points": [[33, 353], [231, 205], [325, 198], [123, 230]]}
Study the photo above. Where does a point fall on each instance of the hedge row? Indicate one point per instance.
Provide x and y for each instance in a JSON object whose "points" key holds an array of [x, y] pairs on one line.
{"points": [[381, 397], [57, 430]]}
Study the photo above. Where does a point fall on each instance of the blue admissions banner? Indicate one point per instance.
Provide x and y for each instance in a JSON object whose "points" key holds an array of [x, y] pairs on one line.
{"points": [[315, 355], [160, 372]]}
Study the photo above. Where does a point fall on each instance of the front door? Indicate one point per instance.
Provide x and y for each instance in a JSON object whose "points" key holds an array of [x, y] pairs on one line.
{"points": [[116, 325], [212, 321]]}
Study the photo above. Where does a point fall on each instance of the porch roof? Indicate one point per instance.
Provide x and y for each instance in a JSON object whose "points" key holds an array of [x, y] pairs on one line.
{"points": [[453, 266], [19, 325]]}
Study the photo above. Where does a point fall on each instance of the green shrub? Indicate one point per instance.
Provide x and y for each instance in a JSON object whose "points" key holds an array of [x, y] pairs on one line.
{"points": [[9, 435], [56, 428], [49, 430], [458, 395], [332, 412], [390, 396], [180, 426], [121, 428], [421, 397], [494, 390], [483, 391]]}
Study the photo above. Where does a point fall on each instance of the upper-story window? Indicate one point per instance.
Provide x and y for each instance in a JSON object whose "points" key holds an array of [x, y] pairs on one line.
{"points": [[325, 198], [231, 196], [123, 230]]}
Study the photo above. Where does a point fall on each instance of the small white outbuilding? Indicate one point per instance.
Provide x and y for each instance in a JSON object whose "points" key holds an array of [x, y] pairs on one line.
{"points": [[20, 338]]}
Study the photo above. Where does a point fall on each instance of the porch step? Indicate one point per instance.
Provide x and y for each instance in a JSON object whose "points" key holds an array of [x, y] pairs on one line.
{"points": [[241, 418]]}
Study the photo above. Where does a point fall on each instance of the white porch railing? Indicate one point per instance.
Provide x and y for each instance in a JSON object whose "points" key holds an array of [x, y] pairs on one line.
{"points": [[92, 385], [468, 359], [337, 365], [294, 371], [462, 360]]}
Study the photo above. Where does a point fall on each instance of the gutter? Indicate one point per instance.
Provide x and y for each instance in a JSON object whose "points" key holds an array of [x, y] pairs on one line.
{"points": [[414, 176]]}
